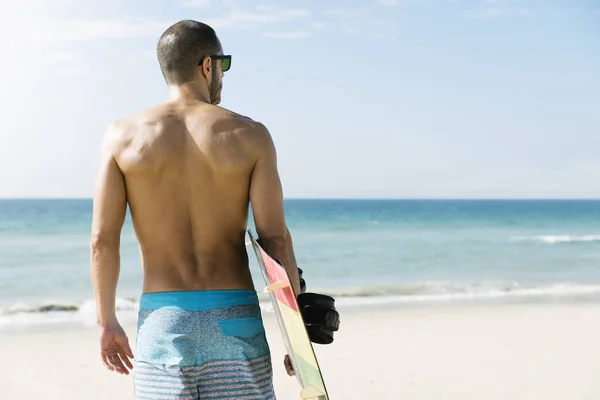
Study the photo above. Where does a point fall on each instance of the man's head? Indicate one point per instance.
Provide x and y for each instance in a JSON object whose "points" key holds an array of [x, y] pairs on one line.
{"points": [[190, 51]]}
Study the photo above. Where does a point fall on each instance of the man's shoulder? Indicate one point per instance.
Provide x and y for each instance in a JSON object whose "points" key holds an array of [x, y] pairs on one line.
{"points": [[121, 126], [240, 123], [115, 138], [121, 130], [147, 114], [124, 123]]}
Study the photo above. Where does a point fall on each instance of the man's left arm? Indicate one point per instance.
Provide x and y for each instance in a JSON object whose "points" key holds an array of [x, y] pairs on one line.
{"points": [[109, 209]]}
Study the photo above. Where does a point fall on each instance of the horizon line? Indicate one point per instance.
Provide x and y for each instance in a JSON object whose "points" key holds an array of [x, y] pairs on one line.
{"points": [[365, 198]]}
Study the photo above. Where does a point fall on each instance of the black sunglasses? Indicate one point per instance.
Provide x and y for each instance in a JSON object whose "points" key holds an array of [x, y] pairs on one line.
{"points": [[225, 64]]}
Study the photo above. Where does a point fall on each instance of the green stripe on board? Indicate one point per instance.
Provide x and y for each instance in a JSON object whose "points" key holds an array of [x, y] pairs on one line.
{"points": [[311, 376]]}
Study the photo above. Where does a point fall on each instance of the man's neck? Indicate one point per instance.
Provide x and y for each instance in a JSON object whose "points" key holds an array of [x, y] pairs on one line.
{"points": [[194, 91]]}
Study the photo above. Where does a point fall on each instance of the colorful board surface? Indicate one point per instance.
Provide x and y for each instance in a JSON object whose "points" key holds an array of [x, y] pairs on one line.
{"points": [[295, 336]]}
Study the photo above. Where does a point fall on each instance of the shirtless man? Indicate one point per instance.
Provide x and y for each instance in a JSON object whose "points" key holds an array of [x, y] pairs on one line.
{"points": [[189, 170]]}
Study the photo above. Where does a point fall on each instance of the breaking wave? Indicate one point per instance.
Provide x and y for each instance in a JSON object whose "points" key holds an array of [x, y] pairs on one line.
{"points": [[553, 239]]}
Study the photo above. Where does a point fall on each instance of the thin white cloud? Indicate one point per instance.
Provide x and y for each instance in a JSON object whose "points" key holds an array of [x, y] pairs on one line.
{"points": [[197, 3], [261, 14], [71, 64], [358, 20], [487, 13], [76, 30], [12, 4], [319, 26], [286, 35], [390, 2], [377, 35], [231, 4], [497, 12], [268, 21], [346, 13], [524, 11], [56, 62], [56, 30], [266, 15], [11, 9]]}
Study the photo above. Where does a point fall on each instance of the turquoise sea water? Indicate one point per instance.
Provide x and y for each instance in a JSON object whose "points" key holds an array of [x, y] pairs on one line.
{"points": [[357, 250]]}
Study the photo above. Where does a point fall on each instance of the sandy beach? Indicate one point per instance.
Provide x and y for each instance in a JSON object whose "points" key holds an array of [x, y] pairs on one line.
{"points": [[548, 352]]}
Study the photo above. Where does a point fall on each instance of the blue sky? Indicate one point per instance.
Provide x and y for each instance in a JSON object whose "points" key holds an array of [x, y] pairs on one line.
{"points": [[393, 99]]}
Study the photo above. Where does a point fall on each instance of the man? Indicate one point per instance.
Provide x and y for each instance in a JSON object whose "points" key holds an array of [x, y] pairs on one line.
{"points": [[189, 170]]}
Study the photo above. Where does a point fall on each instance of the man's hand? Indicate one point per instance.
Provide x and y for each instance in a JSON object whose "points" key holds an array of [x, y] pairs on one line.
{"points": [[115, 350], [288, 366]]}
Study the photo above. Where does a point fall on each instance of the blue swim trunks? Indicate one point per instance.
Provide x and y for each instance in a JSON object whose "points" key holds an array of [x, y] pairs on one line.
{"points": [[202, 345]]}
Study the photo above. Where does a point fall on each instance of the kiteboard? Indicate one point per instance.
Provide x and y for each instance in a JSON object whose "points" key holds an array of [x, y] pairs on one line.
{"points": [[293, 330]]}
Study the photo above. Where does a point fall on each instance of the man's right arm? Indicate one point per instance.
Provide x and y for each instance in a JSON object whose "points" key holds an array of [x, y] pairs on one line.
{"points": [[266, 198]]}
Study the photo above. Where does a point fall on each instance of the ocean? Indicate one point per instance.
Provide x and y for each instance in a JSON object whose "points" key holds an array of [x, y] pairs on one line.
{"points": [[359, 251]]}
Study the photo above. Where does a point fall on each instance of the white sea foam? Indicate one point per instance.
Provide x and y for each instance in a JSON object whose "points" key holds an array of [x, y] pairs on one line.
{"points": [[83, 314], [553, 239], [38, 314]]}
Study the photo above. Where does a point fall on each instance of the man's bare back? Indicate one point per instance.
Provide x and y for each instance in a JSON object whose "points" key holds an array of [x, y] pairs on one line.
{"points": [[187, 169]]}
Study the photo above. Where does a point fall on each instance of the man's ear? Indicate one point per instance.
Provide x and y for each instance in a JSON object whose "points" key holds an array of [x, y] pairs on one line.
{"points": [[205, 67]]}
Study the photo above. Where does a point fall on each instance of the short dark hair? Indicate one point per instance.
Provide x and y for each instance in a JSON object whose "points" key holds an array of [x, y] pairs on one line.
{"points": [[182, 46]]}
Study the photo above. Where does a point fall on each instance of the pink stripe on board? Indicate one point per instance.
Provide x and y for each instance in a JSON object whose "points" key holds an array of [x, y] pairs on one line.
{"points": [[277, 273]]}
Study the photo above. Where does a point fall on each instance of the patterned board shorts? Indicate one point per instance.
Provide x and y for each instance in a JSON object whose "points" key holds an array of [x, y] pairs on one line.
{"points": [[202, 345]]}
